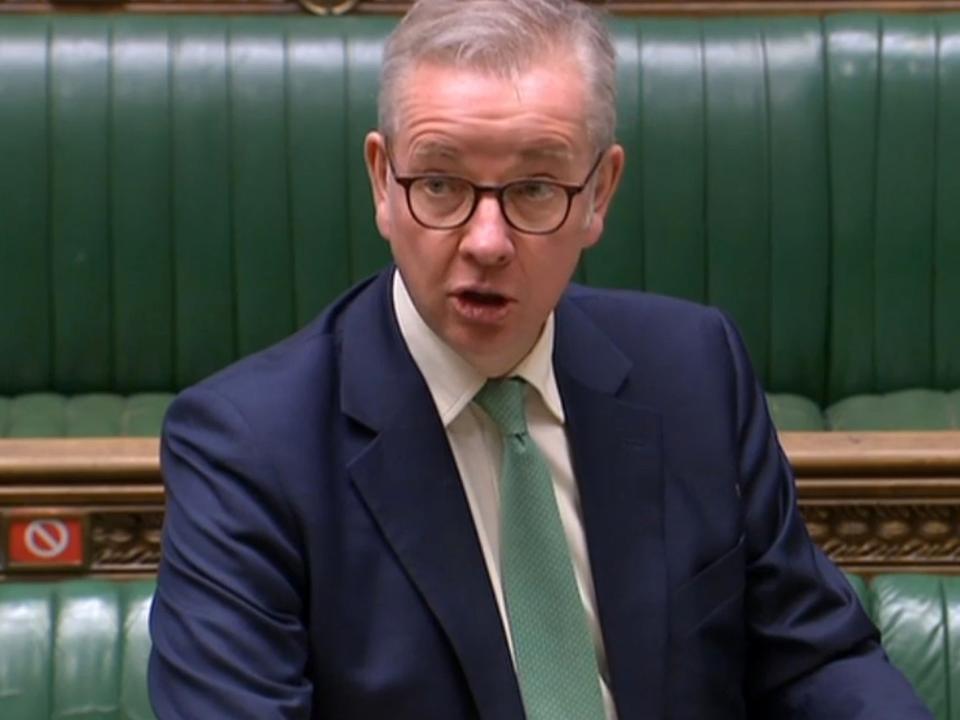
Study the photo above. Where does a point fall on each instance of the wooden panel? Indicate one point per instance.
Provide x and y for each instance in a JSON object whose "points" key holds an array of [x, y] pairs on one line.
{"points": [[876, 502], [849, 454], [78, 459], [390, 7]]}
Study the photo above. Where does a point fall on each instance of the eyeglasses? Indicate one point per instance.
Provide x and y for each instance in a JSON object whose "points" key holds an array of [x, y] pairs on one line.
{"points": [[531, 205]]}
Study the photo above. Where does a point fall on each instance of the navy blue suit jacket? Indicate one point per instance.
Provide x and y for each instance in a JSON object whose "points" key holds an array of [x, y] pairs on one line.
{"points": [[320, 559]]}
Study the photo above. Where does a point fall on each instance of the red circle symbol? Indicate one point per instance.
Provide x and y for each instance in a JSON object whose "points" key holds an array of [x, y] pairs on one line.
{"points": [[55, 541], [47, 539]]}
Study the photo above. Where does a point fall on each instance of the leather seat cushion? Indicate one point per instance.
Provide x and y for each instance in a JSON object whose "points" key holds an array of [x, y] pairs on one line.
{"points": [[141, 415], [795, 413], [90, 415], [917, 409], [904, 410]]}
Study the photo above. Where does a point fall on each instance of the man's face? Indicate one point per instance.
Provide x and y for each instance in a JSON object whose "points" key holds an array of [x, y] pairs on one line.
{"points": [[485, 288]]}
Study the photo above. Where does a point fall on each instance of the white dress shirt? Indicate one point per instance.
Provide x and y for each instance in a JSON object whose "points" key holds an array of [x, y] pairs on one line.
{"points": [[477, 449]]}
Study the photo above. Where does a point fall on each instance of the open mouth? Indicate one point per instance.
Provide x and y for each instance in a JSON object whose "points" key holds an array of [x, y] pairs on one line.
{"points": [[481, 306], [492, 300]]}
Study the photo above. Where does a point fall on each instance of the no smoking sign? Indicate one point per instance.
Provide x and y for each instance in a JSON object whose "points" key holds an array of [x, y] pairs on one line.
{"points": [[45, 541]]}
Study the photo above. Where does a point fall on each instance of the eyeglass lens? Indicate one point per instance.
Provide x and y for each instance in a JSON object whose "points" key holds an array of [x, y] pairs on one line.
{"points": [[532, 205]]}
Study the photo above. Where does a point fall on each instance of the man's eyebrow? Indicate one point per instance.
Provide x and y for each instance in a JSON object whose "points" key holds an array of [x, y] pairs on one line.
{"points": [[547, 152], [431, 149]]}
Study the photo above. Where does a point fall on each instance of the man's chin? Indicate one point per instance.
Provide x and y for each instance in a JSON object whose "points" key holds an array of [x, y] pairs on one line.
{"points": [[490, 356]]}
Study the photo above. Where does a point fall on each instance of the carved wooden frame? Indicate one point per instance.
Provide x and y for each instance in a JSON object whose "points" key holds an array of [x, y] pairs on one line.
{"points": [[876, 502], [113, 482], [881, 502]]}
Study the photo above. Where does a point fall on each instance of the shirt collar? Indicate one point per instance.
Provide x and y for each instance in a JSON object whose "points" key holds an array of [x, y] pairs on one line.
{"points": [[452, 381]]}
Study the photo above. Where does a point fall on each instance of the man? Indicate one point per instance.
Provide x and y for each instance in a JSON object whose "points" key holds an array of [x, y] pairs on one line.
{"points": [[469, 491]]}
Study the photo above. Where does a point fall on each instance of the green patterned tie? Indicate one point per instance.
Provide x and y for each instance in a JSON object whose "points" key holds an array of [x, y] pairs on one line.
{"points": [[556, 662]]}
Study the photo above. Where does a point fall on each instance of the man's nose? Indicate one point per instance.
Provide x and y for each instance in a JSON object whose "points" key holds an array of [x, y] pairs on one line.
{"points": [[486, 237]]}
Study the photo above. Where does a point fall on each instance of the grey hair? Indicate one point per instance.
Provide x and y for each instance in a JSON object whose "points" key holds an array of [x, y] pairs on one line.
{"points": [[503, 38]]}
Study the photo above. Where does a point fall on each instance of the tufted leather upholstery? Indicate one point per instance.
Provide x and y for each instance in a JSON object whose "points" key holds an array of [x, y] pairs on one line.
{"points": [[80, 648], [919, 620], [181, 191], [89, 415], [74, 650], [799, 173]]}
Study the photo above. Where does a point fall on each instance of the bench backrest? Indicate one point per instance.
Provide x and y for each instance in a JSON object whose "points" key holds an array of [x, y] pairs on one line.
{"points": [[66, 647], [176, 192]]}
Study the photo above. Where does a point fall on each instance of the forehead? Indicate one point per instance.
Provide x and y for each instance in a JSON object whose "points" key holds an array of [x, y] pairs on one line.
{"points": [[539, 112]]}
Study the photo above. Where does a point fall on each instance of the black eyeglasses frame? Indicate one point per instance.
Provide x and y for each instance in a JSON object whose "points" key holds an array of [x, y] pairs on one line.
{"points": [[498, 191]]}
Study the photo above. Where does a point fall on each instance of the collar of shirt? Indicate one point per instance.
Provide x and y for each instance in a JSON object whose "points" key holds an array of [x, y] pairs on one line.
{"points": [[452, 381]]}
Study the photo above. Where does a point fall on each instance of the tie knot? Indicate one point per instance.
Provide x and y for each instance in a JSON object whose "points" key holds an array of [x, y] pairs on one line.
{"points": [[502, 400]]}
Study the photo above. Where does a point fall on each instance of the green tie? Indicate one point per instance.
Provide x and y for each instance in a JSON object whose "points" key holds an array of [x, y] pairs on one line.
{"points": [[556, 662]]}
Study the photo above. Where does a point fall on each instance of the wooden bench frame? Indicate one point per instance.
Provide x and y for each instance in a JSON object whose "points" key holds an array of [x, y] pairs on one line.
{"points": [[876, 502]]}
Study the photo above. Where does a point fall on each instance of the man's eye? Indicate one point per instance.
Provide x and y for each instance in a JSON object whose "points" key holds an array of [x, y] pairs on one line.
{"points": [[534, 190], [438, 186]]}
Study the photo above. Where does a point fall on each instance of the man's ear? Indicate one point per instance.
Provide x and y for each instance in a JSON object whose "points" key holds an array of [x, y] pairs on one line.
{"points": [[605, 186], [375, 155]]}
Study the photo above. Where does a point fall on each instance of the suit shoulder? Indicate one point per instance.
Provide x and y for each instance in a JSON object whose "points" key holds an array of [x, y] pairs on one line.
{"points": [[664, 335], [645, 311], [292, 370], [284, 361]]}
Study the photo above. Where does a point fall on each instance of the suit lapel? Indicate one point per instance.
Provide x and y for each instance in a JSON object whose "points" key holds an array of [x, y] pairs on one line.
{"points": [[406, 474], [408, 479], [616, 457]]}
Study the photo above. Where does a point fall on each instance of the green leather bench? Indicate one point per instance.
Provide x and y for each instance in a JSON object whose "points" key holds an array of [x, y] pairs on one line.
{"points": [[74, 650], [79, 649], [177, 192]]}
